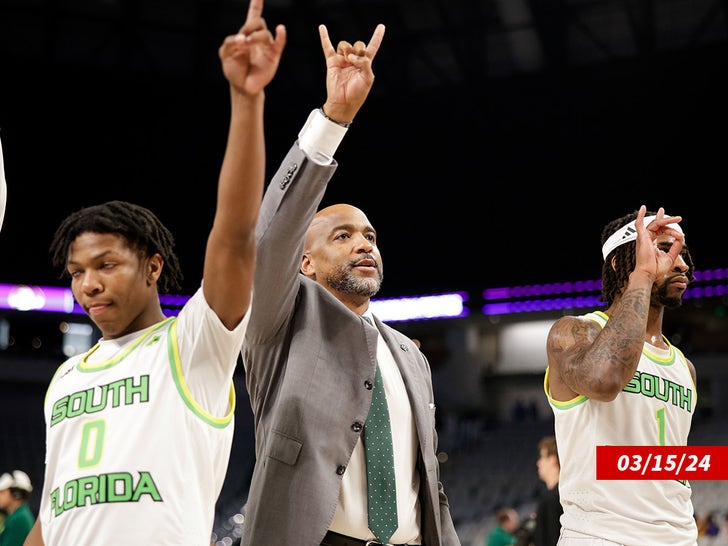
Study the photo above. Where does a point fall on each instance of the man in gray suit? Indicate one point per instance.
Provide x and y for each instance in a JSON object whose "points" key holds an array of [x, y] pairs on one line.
{"points": [[310, 357]]}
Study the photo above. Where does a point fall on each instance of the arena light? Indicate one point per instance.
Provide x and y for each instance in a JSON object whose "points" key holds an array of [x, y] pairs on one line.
{"points": [[529, 291], [23, 297], [51, 299], [532, 306], [439, 306], [571, 287], [498, 301], [579, 294]]}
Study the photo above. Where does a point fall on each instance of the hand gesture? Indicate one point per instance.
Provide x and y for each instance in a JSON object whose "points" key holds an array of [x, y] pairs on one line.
{"points": [[250, 58], [349, 75], [648, 256]]}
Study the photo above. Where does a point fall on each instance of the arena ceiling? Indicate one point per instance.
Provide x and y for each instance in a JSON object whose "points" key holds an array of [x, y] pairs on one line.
{"points": [[429, 44]]}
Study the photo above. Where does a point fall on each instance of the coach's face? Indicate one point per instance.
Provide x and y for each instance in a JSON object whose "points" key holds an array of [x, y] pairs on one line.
{"points": [[341, 253]]}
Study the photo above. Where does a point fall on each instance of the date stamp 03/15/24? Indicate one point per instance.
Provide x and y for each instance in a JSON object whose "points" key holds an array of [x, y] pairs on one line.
{"points": [[662, 462]]}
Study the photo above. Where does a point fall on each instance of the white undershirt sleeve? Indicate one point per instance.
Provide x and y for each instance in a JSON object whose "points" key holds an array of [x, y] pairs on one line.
{"points": [[320, 137]]}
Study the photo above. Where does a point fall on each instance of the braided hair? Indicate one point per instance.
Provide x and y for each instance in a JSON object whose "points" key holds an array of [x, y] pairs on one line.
{"points": [[614, 279], [142, 230]]}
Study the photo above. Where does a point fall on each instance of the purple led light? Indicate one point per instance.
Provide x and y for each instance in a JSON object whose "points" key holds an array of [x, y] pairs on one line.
{"points": [[530, 306], [527, 291], [175, 300], [707, 291], [711, 275], [577, 294]]}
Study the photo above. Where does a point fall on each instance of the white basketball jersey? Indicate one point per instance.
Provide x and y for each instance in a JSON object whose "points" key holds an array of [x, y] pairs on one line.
{"points": [[654, 409], [134, 454]]}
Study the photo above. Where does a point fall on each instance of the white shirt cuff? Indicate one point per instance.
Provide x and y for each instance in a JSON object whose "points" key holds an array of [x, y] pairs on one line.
{"points": [[320, 138]]}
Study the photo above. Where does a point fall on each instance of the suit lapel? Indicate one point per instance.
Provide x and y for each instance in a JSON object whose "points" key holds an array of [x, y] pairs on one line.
{"points": [[409, 362]]}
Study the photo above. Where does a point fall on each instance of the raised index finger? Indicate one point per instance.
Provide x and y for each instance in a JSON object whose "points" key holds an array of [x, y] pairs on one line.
{"points": [[255, 9], [376, 41], [639, 222], [326, 44]]}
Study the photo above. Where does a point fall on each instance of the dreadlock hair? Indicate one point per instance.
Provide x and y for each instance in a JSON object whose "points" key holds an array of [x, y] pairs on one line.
{"points": [[139, 226], [614, 279]]}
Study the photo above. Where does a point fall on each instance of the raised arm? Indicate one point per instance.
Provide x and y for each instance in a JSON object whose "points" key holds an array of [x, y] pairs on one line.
{"points": [[585, 359], [297, 187], [249, 61]]}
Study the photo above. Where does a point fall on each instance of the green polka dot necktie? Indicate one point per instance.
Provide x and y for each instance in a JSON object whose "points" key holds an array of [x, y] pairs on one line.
{"points": [[377, 438]]}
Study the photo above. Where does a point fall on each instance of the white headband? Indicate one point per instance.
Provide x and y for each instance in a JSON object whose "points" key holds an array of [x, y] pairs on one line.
{"points": [[628, 233]]}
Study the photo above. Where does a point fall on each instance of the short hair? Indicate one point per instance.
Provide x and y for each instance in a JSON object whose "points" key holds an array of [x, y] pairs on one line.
{"points": [[549, 444], [142, 230], [614, 279], [20, 494]]}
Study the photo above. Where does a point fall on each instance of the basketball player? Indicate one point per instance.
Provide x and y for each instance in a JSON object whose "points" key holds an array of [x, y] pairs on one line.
{"points": [[139, 429], [613, 378]]}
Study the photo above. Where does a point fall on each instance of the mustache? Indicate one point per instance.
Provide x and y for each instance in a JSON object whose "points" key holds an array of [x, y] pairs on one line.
{"points": [[671, 278], [363, 258]]}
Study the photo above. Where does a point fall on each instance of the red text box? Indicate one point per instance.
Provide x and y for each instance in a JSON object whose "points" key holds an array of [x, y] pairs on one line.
{"points": [[662, 463]]}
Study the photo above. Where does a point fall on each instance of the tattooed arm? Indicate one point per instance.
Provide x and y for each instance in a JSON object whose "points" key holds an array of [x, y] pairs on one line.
{"points": [[584, 358]]}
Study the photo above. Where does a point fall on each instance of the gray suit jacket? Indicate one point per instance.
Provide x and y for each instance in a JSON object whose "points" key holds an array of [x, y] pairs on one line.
{"points": [[307, 359]]}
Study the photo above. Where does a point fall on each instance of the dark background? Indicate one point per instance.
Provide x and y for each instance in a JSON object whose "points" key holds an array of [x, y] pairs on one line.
{"points": [[494, 146]]}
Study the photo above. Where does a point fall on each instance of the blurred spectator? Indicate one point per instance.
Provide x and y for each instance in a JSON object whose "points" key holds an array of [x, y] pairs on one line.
{"points": [[15, 489], [525, 532], [723, 535], [708, 530], [548, 513], [507, 521]]}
